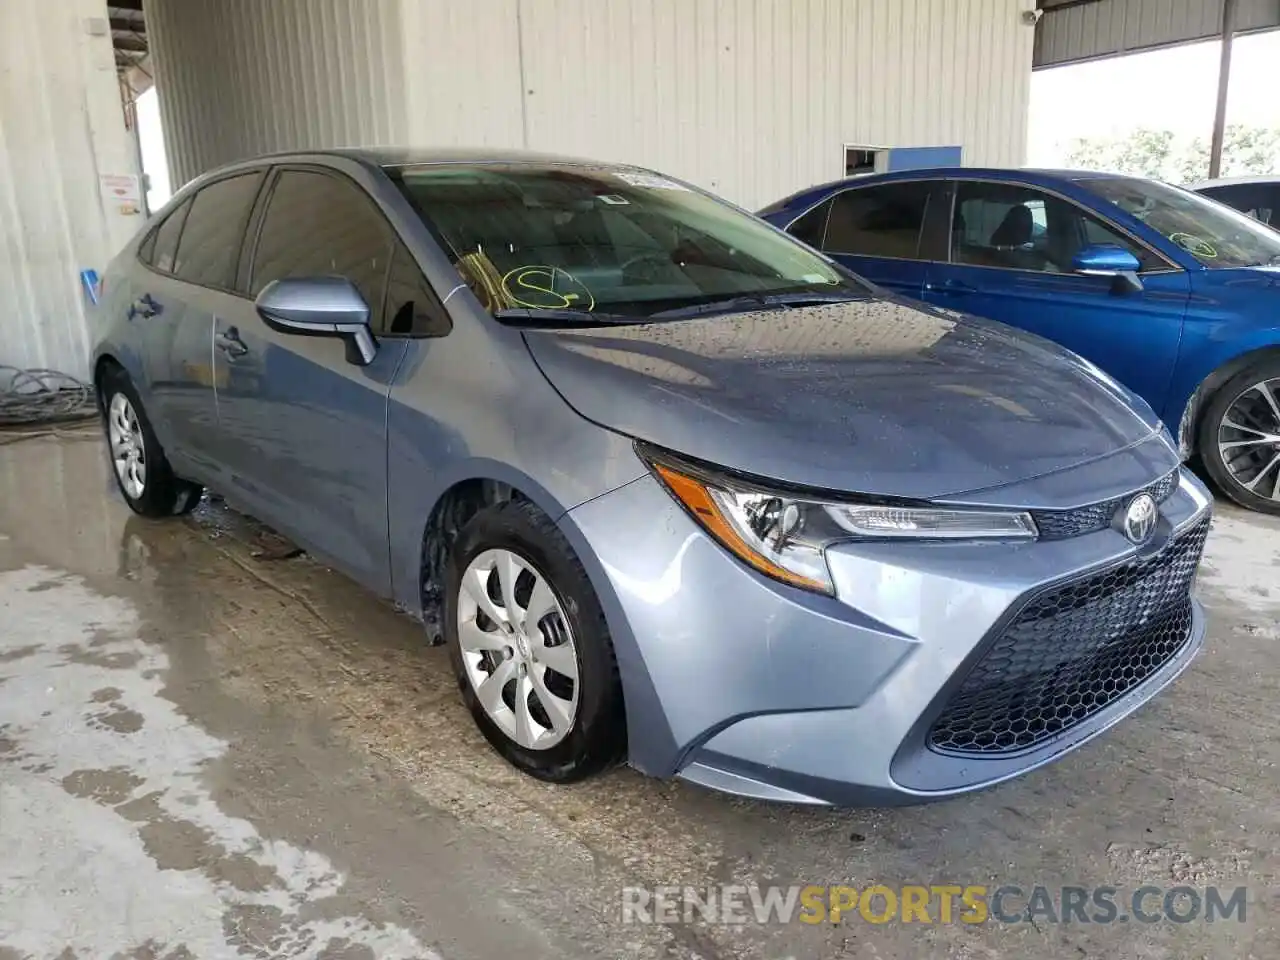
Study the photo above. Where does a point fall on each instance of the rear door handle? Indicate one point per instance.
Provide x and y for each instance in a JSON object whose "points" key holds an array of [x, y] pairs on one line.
{"points": [[144, 307], [229, 342]]}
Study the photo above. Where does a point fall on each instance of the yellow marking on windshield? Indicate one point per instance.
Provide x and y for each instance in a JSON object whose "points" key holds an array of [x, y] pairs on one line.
{"points": [[534, 287]]}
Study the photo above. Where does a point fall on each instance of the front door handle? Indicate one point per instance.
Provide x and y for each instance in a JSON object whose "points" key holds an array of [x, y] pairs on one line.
{"points": [[954, 287], [229, 342], [144, 307]]}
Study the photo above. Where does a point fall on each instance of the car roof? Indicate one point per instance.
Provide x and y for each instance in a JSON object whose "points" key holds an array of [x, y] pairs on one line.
{"points": [[1228, 181], [1033, 175], [983, 173], [409, 156]]}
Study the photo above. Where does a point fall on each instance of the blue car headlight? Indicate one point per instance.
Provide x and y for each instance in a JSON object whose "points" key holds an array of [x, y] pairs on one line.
{"points": [[784, 534]]}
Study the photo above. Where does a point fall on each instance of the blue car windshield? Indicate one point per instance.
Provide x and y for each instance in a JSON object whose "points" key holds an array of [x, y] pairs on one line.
{"points": [[611, 240], [1213, 233]]}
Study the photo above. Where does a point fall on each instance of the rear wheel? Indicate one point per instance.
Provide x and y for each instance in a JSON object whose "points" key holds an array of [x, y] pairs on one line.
{"points": [[530, 646], [1240, 437], [141, 469]]}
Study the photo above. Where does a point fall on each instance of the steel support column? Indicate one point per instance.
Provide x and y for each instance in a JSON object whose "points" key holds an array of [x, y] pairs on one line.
{"points": [[1224, 82]]}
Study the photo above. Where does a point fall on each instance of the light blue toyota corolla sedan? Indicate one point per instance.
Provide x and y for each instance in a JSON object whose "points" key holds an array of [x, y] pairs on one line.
{"points": [[674, 488]]}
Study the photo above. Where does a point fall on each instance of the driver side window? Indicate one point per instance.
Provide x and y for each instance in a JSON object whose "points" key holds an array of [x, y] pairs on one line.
{"points": [[317, 225], [1014, 227]]}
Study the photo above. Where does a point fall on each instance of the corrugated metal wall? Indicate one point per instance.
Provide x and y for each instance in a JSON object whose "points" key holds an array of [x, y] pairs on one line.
{"points": [[756, 99], [1102, 28], [752, 98], [243, 77], [61, 125]]}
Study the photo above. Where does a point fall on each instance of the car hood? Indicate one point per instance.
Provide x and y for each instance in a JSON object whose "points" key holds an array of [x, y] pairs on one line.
{"points": [[874, 396]]}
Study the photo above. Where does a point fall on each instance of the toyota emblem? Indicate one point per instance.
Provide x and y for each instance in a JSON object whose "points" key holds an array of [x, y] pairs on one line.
{"points": [[1140, 518]]}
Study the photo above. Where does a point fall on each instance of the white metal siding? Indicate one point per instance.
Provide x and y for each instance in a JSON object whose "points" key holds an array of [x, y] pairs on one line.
{"points": [[1110, 27], [61, 125], [756, 98], [462, 73], [751, 98], [242, 77]]}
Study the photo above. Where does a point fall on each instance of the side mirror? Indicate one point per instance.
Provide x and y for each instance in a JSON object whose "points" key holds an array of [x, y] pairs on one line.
{"points": [[320, 307], [1109, 260]]}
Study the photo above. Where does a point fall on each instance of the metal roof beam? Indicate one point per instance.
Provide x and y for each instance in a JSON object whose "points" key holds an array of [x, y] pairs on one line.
{"points": [[1072, 31]]}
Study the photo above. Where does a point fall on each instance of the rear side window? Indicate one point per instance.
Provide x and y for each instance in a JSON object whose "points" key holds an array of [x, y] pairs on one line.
{"points": [[159, 249], [210, 245], [812, 227], [881, 221], [318, 225]]}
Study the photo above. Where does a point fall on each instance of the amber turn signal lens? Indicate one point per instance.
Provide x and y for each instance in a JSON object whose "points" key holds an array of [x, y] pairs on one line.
{"points": [[693, 494]]}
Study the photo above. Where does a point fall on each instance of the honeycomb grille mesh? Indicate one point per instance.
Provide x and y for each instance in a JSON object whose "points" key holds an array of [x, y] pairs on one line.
{"points": [[1062, 524], [1073, 650]]}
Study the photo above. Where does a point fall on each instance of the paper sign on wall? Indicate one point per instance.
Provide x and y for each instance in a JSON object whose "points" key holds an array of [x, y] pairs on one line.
{"points": [[123, 192]]}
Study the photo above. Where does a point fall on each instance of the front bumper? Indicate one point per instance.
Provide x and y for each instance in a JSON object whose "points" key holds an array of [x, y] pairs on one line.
{"points": [[739, 683]]}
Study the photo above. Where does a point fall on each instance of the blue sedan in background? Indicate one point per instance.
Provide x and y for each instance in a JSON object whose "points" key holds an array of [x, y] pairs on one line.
{"points": [[1174, 295]]}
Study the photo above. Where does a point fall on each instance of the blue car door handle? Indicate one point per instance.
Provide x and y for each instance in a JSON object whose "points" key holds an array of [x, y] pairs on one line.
{"points": [[229, 342], [955, 287], [144, 307]]}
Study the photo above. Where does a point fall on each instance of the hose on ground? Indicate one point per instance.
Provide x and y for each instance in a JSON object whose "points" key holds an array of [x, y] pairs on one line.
{"points": [[34, 397]]}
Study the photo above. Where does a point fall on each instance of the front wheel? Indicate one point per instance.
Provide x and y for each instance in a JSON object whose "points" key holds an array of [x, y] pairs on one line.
{"points": [[141, 469], [530, 647], [1240, 438]]}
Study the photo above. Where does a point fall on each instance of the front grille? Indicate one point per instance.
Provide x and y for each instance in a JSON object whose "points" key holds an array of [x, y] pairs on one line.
{"points": [[1062, 524], [1071, 651]]}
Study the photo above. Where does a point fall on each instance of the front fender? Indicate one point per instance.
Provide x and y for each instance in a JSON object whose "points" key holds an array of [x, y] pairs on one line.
{"points": [[1232, 348], [414, 489]]}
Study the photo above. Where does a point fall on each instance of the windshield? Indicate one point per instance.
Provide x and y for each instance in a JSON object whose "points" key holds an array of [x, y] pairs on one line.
{"points": [[606, 240], [1214, 234]]}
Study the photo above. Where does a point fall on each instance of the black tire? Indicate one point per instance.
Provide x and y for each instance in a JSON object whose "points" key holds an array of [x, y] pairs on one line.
{"points": [[163, 494], [597, 737], [1207, 439]]}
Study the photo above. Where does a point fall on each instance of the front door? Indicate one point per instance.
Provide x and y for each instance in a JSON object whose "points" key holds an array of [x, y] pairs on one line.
{"points": [[303, 430], [1011, 252]]}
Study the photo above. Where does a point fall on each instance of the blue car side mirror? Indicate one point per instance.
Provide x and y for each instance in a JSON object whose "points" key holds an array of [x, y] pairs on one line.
{"points": [[1109, 260], [320, 307]]}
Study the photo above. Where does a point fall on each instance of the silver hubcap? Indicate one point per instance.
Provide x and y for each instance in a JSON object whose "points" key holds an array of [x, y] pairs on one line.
{"points": [[1249, 439], [518, 649], [128, 452]]}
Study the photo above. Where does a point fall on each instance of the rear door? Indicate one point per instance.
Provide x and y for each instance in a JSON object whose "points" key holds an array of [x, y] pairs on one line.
{"points": [[155, 305], [1012, 247], [883, 232], [303, 431], [198, 285]]}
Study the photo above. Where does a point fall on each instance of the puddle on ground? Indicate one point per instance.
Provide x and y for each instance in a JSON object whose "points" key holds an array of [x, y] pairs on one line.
{"points": [[103, 780]]}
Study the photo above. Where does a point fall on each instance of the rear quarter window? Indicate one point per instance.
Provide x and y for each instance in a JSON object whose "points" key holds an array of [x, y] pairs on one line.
{"points": [[161, 246]]}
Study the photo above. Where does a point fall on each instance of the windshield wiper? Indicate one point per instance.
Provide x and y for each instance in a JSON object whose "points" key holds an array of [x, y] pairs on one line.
{"points": [[755, 302], [559, 318]]}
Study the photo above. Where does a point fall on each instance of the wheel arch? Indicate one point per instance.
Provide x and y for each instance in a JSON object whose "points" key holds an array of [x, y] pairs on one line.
{"points": [[103, 363], [1193, 413], [467, 489]]}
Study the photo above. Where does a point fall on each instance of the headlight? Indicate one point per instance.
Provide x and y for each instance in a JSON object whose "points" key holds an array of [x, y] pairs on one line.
{"points": [[785, 535]]}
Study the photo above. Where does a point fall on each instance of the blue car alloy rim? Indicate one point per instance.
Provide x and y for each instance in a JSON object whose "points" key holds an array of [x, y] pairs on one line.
{"points": [[1249, 439]]}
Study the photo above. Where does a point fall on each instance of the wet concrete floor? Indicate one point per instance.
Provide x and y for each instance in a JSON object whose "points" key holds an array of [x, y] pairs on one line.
{"points": [[210, 749]]}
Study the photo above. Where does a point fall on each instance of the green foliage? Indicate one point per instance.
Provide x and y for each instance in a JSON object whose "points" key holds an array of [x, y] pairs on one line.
{"points": [[1158, 153]]}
